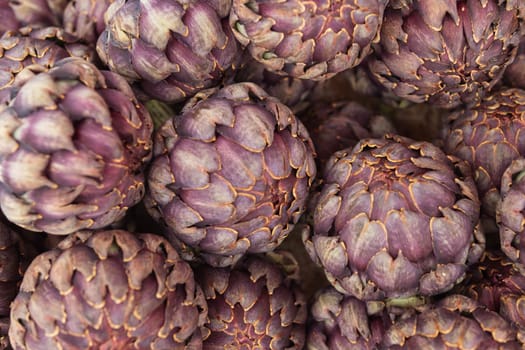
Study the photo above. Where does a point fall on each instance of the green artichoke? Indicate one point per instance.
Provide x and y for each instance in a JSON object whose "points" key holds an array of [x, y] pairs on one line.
{"points": [[42, 47], [307, 39], [395, 218], [455, 322], [339, 322], [230, 174], [172, 48], [108, 290], [255, 305], [74, 144], [446, 52], [489, 137]]}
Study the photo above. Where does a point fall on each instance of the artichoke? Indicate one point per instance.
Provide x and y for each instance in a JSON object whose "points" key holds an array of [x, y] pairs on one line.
{"points": [[510, 212], [446, 52], [33, 13], [9, 21], [173, 48], [108, 290], [230, 174], [339, 125], [455, 322], [489, 137], [254, 305], [74, 145], [395, 218], [42, 47], [498, 284], [307, 39], [85, 18], [340, 322]]}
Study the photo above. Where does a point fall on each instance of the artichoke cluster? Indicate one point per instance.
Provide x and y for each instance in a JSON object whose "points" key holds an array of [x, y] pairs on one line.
{"points": [[249, 174]]}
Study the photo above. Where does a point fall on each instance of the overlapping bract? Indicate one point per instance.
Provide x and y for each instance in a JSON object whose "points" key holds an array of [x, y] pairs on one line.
{"points": [[310, 39], [498, 284], [109, 289], [455, 322], [254, 305], [339, 322], [34, 13], [510, 211], [231, 173], [395, 218], [41, 47], [489, 137], [74, 144], [172, 48], [446, 52], [85, 18]]}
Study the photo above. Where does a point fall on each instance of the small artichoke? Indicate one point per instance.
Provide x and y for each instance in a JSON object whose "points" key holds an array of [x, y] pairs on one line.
{"points": [[455, 322], [43, 47], [340, 322], [446, 52], [395, 218], [489, 137], [497, 283], [339, 125], [74, 145], [510, 212], [108, 290], [173, 48], [255, 305], [231, 173], [307, 39]]}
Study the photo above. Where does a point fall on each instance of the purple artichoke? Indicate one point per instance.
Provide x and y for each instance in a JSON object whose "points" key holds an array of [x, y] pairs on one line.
{"points": [[498, 284], [74, 145], [230, 174], [455, 322], [254, 305], [108, 290], [395, 218], [307, 39], [446, 52], [33, 13], [510, 212], [340, 322], [172, 48], [489, 137]]}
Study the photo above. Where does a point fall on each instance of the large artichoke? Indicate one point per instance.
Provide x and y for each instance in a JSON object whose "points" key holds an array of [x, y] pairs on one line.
{"points": [[455, 322], [489, 137], [395, 218], [307, 39], [108, 290], [231, 173], [255, 305], [340, 322], [173, 48], [74, 143], [447, 52]]}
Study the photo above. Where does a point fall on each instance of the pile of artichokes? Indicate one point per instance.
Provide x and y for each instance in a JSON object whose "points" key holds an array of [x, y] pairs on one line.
{"points": [[248, 174]]}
